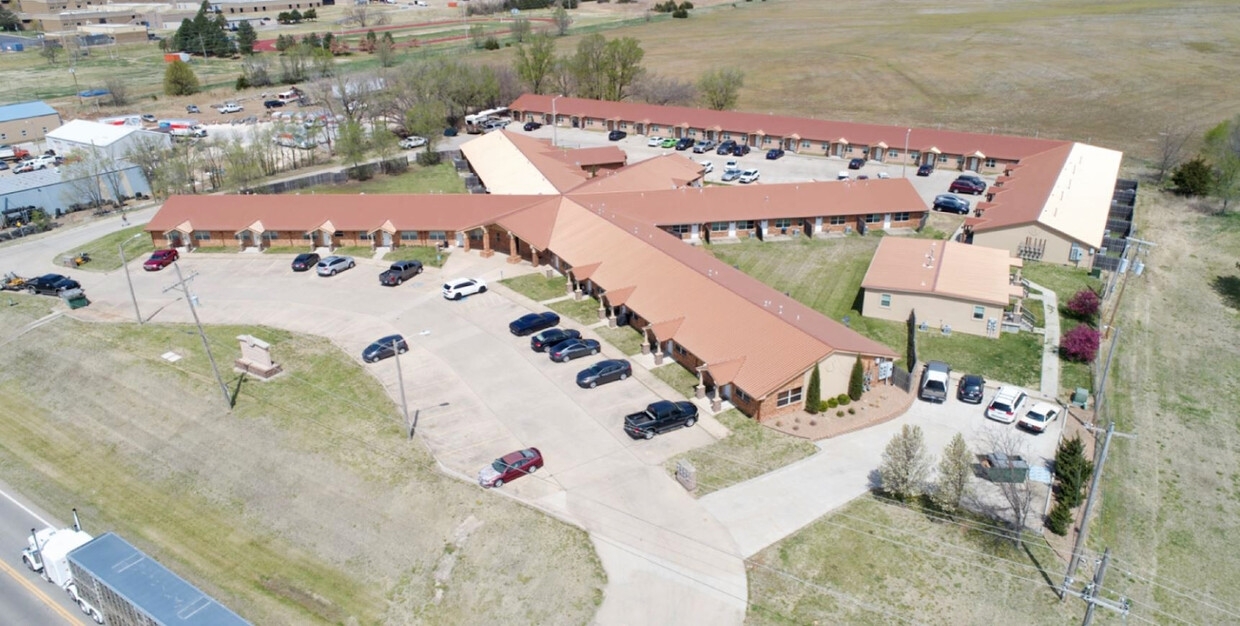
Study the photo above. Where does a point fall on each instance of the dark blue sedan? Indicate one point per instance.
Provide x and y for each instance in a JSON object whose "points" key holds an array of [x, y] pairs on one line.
{"points": [[740, 149], [774, 153], [572, 349], [604, 372], [552, 336], [951, 204], [532, 323], [384, 348]]}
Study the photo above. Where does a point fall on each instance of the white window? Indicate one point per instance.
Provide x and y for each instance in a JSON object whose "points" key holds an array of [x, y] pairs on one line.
{"points": [[365, 236], [873, 218], [891, 154], [942, 158], [990, 162], [979, 312], [804, 143], [838, 220], [718, 227], [901, 217], [884, 300], [741, 395], [202, 235], [409, 235], [914, 155], [681, 229], [439, 235], [783, 222], [790, 396], [744, 225], [271, 234]]}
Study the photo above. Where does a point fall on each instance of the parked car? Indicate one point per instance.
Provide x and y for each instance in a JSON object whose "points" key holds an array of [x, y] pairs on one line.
{"points": [[50, 284], [971, 388], [334, 264], [707, 166], [654, 142], [4, 165], [458, 288], [510, 467], [230, 107], [1037, 419], [749, 176], [685, 143], [774, 153], [730, 174], [193, 108], [726, 147], [28, 165], [740, 150], [273, 104], [968, 184], [604, 372], [935, 377], [532, 126], [616, 135], [533, 322], [450, 132], [703, 146], [161, 259], [399, 272], [856, 164], [925, 169], [843, 175], [305, 261], [1006, 405], [572, 349], [883, 175], [411, 142], [951, 204], [544, 340], [670, 142], [385, 347], [148, 118], [660, 417]]}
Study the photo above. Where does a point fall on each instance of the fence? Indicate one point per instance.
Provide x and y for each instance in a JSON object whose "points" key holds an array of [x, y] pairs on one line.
{"points": [[901, 378], [1119, 227], [337, 177]]}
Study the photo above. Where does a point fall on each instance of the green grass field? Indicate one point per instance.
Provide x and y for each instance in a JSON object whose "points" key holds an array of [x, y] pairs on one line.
{"points": [[750, 450], [428, 255], [105, 252], [584, 311], [440, 178], [537, 287], [624, 338], [676, 377]]}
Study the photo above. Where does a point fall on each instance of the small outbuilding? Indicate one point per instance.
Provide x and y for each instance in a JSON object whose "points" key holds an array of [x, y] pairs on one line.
{"points": [[952, 286], [27, 121]]}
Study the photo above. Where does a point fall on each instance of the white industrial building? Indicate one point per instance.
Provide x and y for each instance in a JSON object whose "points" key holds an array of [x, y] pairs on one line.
{"points": [[113, 141]]}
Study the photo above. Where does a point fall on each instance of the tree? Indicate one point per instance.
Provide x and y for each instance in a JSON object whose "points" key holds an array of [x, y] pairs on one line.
{"points": [[1085, 304], [1192, 178], [663, 90], [310, 15], [9, 20], [856, 381], [255, 70], [179, 79], [720, 87], [84, 181], [905, 463], [813, 397], [535, 62], [205, 34], [912, 341], [1017, 495], [1080, 344], [1059, 519], [1171, 142], [1072, 472], [51, 49], [246, 36], [352, 143], [562, 20], [118, 90], [477, 35], [385, 52], [427, 120], [363, 15], [148, 153], [295, 16], [1222, 151], [623, 66], [955, 470], [520, 29]]}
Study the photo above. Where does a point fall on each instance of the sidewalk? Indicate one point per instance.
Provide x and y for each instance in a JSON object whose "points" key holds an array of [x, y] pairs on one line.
{"points": [[1050, 352]]}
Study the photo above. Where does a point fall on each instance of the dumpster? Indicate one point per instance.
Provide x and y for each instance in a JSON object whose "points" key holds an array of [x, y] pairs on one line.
{"points": [[1080, 397], [1001, 468], [75, 298]]}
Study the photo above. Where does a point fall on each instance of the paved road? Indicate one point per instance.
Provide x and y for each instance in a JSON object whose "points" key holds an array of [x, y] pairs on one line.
{"points": [[25, 598]]}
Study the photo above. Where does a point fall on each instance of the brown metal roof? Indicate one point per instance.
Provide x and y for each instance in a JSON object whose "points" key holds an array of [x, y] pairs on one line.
{"points": [[669, 171]]}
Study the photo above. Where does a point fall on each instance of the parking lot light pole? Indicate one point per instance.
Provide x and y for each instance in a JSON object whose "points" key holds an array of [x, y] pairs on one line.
{"points": [[555, 122], [904, 166], [400, 380], [121, 248]]}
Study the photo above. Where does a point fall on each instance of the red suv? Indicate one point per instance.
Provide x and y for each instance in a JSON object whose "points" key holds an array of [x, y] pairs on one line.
{"points": [[160, 259], [968, 184]]}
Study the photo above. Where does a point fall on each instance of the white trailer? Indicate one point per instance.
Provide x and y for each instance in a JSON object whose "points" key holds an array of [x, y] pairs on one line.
{"points": [[47, 553]]}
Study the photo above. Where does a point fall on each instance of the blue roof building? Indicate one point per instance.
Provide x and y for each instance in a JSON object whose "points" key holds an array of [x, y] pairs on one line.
{"points": [[27, 121], [129, 587]]}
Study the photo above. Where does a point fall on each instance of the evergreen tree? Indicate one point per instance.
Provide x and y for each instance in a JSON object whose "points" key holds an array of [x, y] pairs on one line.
{"points": [[246, 38], [179, 79], [813, 397], [856, 382]]}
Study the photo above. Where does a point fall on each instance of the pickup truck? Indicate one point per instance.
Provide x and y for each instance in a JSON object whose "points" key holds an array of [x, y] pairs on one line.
{"points": [[935, 379], [400, 272], [50, 284], [10, 153], [660, 417]]}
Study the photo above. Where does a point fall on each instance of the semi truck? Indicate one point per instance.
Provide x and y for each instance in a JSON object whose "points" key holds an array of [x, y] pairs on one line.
{"points": [[47, 554]]}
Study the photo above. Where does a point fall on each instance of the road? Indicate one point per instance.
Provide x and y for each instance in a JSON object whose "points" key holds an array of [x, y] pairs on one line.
{"points": [[25, 598]]}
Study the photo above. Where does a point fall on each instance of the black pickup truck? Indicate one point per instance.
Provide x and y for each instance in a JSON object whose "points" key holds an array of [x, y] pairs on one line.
{"points": [[400, 272], [50, 284], [660, 417]]}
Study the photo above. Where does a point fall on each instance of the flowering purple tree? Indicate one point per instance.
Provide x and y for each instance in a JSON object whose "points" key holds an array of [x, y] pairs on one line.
{"points": [[1080, 343], [1085, 304]]}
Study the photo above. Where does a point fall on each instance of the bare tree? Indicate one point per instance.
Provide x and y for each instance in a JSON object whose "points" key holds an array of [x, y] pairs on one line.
{"points": [[118, 90], [508, 83], [663, 90], [562, 20], [1171, 143], [385, 51], [51, 50], [720, 87], [148, 153], [520, 29], [955, 470], [364, 15], [1017, 495], [83, 180], [905, 465]]}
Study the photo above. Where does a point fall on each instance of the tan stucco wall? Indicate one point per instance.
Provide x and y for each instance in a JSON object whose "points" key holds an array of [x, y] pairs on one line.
{"points": [[1057, 248], [933, 310], [34, 127]]}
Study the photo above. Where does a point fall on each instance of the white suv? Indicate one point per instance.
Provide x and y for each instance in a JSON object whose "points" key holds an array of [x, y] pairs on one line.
{"points": [[458, 288], [1007, 403], [749, 176]]}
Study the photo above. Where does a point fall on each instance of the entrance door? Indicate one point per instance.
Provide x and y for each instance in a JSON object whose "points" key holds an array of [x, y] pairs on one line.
{"points": [[325, 239], [886, 221], [174, 239], [387, 239]]}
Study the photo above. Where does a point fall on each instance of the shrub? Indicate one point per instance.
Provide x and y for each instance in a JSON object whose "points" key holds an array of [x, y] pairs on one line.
{"points": [[843, 399], [1085, 304], [1192, 178], [1059, 519], [491, 43], [242, 83], [428, 158], [813, 397], [832, 403], [1080, 344], [852, 411], [856, 381], [680, 14], [839, 414]]}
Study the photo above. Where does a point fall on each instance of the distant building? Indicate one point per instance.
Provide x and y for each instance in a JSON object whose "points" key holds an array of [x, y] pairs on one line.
{"points": [[112, 141], [27, 121]]}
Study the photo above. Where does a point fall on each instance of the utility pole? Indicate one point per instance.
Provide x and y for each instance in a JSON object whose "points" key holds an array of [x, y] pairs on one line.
{"points": [[121, 248], [904, 165], [555, 123], [1092, 594], [400, 380], [1120, 296], [183, 283], [1074, 559]]}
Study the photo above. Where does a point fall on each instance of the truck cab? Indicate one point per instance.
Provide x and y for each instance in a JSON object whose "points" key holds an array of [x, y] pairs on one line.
{"points": [[660, 417]]}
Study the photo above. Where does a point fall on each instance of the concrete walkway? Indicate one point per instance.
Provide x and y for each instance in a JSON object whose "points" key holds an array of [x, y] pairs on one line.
{"points": [[1050, 345]]}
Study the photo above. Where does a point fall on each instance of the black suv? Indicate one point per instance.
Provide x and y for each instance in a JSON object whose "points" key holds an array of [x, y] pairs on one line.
{"points": [[616, 135], [51, 284], [726, 147], [925, 169], [685, 143], [971, 388], [856, 164], [400, 272]]}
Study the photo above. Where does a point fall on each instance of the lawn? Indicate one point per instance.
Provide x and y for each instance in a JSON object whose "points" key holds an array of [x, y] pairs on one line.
{"points": [[677, 377], [96, 420], [584, 310], [539, 288], [105, 252], [430, 256], [19, 308], [440, 178], [874, 562], [289, 249], [364, 252], [749, 451], [1064, 281], [625, 338], [826, 275]]}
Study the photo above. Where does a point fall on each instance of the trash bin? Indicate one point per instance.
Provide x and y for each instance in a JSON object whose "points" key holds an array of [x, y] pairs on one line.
{"points": [[1001, 468], [75, 298], [1080, 398]]}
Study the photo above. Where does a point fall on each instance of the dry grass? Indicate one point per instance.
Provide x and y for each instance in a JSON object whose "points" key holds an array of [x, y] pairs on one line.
{"points": [[750, 450], [309, 483]]}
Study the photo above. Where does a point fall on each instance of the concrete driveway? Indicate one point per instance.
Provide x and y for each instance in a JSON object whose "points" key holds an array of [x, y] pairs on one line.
{"points": [[478, 392]]}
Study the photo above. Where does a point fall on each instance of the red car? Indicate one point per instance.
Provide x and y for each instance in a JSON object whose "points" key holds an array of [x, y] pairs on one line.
{"points": [[160, 259], [510, 467]]}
